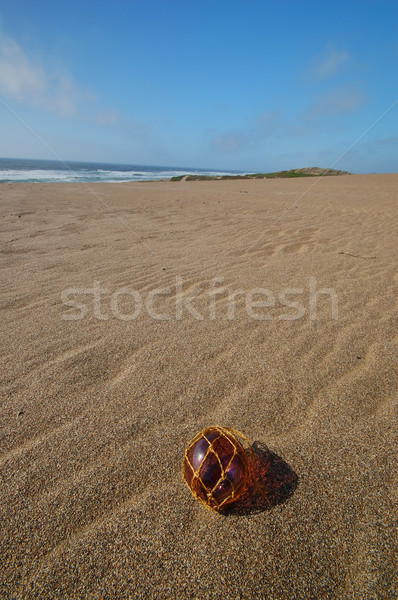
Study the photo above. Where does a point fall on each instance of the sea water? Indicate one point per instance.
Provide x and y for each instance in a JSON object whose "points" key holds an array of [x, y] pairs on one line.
{"points": [[45, 171]]}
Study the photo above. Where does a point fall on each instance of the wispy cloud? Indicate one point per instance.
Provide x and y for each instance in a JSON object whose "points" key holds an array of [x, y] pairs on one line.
{"points": [[110, 117], [229, 142], [19, 78], [26, 81], [339, 100], [391, 140], [263, 127], [329, 65], [273, 127], [267, 125]]}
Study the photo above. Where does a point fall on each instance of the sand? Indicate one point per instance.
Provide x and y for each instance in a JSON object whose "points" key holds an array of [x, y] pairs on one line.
{"points": [[133, 316]]}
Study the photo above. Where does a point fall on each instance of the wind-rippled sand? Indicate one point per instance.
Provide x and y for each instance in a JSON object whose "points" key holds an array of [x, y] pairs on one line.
{"points": [[96, 412]]}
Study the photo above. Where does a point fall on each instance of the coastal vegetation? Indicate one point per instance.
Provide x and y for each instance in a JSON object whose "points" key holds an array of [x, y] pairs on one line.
{"points": [[304, 172]]}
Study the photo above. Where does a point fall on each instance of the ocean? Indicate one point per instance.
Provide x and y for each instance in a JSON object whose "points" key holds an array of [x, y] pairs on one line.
{"points": [[47, 171]]}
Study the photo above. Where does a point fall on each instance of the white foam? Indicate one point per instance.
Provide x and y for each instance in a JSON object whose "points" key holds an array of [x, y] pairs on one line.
{"points": [[86, 175]]}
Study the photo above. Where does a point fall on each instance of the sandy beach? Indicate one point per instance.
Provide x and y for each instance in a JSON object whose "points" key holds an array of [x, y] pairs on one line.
{"points": [[133, 316]]}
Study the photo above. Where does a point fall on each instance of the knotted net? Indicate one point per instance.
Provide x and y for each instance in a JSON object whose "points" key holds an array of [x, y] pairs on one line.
{"points": [[217, 467]]}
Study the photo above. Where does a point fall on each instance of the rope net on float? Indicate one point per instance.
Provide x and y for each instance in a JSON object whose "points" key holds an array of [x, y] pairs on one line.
{"points": [[217, 467]]}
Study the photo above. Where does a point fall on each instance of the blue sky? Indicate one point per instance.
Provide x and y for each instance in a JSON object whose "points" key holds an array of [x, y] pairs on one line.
{"points": [[245, 85]]}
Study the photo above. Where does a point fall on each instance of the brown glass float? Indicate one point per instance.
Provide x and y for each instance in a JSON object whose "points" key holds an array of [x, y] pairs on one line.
{"points": [[217, 468]]}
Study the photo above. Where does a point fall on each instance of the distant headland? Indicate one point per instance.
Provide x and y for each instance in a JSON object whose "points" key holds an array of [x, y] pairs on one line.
{"points": [[304, 172]]}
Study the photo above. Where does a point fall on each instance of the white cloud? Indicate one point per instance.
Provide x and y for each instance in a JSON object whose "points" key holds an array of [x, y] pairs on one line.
{"points": [[330, 65], [19, 78], [24, 80]]}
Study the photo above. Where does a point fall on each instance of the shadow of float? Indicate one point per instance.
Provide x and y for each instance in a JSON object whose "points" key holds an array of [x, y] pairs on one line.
{"points": [[274, 481]]}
